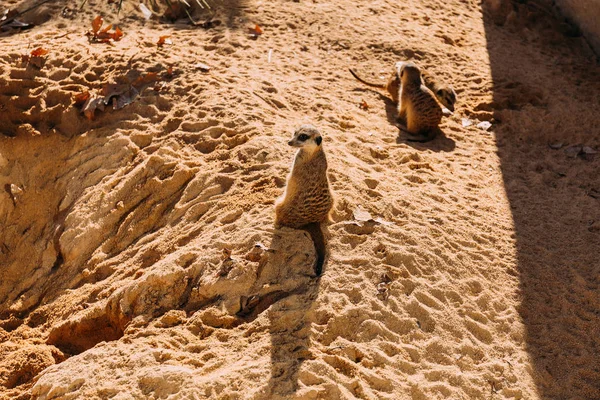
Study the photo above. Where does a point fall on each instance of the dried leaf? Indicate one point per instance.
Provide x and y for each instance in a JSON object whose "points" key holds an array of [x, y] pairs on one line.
{"points": [[257, 30], [573, 151], [117, 35], [9, 14], [126, 98], [382, 221], [81, 98], [39, 52], [363, 105], [146, 79], [164, 40], [588, 150], [16, 24], [363, 215], [111, 90], [97, 24], [147, 13], [485, 125], [93, 102], [106, 29]]}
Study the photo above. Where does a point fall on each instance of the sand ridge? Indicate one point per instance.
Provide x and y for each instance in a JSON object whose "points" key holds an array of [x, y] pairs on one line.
{"points": [[113, 280]]}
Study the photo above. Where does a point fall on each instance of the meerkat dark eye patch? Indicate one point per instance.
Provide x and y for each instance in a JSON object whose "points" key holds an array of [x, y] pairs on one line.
{"points": [[302, 137], [440, 92], [319, 139]]}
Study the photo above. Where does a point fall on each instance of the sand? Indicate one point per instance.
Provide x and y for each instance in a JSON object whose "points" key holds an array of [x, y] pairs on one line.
{"points": [[476, 275]]}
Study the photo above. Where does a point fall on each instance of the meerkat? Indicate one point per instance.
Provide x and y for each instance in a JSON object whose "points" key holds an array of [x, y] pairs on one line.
{"points": [[443, 92], [417, 104], [307, 199]]}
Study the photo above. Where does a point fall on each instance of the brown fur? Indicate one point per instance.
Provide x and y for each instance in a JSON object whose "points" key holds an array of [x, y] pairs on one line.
{"points": [[443, 92], [307, 199], [417, 104]]}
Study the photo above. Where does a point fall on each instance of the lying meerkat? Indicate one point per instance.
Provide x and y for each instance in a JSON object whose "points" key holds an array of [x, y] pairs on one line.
{"points": [[307, 199], [417, 104], [443, 92]]}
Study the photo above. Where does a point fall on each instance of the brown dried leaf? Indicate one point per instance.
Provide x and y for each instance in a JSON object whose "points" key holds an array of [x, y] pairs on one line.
{"points": [[93, 102], [257, 30], [80, 98], [126, 98], [39, 52], [363, 105], [164, 40], [97, 24], [146, 79], [106, 29], [117, 35]]}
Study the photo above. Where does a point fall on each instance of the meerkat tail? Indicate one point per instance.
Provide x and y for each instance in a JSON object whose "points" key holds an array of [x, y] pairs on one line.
{"points": [[376, 85], [316, 234]]}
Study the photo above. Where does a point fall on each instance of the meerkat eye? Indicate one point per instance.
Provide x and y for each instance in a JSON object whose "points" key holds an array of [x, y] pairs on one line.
{"points": [[440, 92], [303, 137]]}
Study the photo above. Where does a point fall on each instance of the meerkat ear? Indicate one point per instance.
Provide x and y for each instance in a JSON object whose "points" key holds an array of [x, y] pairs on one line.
{"points": [[319, 139]]}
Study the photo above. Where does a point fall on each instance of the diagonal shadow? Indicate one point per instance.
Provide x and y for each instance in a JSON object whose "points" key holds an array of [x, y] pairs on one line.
{"points": [[546, 107], [291, 293]]}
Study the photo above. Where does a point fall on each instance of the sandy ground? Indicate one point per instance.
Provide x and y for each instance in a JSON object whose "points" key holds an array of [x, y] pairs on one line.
{"points": [[477, 277]]}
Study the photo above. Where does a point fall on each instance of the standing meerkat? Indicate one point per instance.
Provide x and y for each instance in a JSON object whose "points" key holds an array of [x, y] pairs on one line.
{"points": [[417, 105], [307, 199], [445, 93]]}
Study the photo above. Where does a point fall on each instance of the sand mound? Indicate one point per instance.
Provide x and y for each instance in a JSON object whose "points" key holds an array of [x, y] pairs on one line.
{"points": [[475, 277]]}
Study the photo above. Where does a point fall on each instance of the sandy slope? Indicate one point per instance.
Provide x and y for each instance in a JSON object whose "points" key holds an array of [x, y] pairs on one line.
{"points": [[112, 268]]}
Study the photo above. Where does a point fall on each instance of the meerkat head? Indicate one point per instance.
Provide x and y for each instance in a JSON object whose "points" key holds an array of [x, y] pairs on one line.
{"points": [[307, 137], [447, 96], [409, 72]]}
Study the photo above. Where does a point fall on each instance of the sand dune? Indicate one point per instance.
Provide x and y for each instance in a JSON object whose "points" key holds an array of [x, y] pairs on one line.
{"points": [[475, 278]]}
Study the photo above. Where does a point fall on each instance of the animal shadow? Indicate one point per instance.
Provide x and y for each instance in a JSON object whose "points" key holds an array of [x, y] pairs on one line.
{"points": [[286, 287]]}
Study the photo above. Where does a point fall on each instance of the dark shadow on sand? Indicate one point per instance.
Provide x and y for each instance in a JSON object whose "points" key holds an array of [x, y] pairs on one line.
{"points": [[546, 87], [289, 319]]}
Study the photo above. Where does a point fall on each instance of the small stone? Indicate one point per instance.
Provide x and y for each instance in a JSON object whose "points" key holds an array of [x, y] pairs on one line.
{"points": [[573, 151], [485, 125], [588, 150], [202, 67], [555, 145]]}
